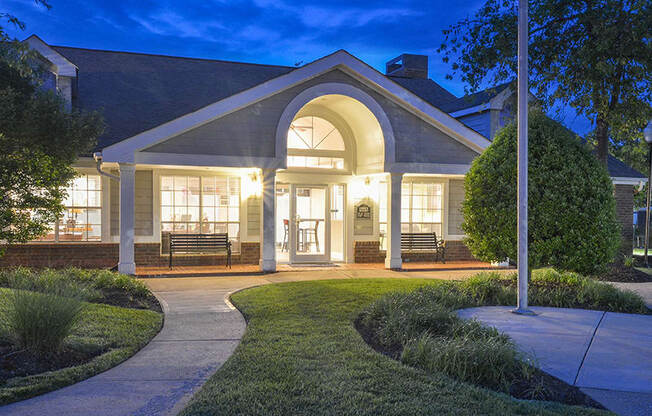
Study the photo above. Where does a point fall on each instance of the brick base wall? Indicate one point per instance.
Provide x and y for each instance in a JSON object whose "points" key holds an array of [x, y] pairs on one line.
{"points": [[624, 195], [105, 255], [370, 252]]}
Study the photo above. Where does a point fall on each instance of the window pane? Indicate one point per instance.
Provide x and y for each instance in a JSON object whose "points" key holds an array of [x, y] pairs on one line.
{"points": [[208, 214], [234, 214], [222, 214], [166, 198], [167, 214], [167, 183], [193, 214], [207, 228]]}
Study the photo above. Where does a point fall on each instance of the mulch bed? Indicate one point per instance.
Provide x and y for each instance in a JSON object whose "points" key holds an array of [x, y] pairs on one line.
{"points": [[551, 388], [19, 363], [620, 273]]}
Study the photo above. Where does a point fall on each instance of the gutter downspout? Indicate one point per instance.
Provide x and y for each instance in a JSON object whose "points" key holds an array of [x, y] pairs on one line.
{"points": [[98, 159]]}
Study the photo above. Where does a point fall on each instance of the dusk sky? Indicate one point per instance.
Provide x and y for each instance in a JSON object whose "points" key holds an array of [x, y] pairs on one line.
{"points": [[280, 32]]}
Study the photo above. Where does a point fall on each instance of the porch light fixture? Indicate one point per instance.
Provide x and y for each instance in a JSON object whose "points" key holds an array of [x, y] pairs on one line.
{"points": [[252, 185], [647, 133]]}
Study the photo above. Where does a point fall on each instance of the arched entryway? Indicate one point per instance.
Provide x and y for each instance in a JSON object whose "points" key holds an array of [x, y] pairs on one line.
{"points": [[329, 137]]}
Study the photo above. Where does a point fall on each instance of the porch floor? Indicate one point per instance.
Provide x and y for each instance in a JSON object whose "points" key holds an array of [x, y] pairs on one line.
{"points": [[249, 269]]}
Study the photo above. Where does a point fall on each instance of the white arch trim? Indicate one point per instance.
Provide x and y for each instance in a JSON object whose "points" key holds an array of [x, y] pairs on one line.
{"points": [[335, 88]]}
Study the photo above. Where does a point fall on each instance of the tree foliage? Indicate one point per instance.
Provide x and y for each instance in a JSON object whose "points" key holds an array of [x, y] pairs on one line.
{"points": [[595, 56], [40, 140], [572, 215]]}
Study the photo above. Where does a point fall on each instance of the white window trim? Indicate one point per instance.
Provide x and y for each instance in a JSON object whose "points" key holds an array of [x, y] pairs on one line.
{"points": [[157, 222], [103, 212]]}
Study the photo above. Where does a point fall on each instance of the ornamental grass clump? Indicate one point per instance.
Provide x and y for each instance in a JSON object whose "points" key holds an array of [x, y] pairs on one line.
{"points": [[490, 361], [40, 314], [422, 329]]}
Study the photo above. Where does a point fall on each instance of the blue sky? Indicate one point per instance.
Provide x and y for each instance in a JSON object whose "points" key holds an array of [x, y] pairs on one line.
{"points": [[280, 32]]}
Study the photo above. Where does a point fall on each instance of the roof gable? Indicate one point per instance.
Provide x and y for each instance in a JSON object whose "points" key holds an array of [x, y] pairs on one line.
{"points": [[125, 149], [61, 65]]}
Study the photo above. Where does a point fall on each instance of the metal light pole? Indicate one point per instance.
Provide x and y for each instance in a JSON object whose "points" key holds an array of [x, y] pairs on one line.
{"points": [[523, 272], [647, 133]]}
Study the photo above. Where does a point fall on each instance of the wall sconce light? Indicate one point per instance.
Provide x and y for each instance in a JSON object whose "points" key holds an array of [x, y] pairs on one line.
{"points": [[252, 185], [367, 181]]}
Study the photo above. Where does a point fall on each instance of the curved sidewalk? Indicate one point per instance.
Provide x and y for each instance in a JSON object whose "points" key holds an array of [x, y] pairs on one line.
{"points": [[201, 331], [606, 354]]}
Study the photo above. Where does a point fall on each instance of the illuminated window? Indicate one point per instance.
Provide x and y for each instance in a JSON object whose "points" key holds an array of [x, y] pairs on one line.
{"points": [[201, 205], [315, 143], [421, 209], [82, 214]]}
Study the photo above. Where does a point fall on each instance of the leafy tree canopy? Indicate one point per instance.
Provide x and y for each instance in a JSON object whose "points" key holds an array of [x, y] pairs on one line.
{"points": [[595, 56], [40, 140], [572, 214]]}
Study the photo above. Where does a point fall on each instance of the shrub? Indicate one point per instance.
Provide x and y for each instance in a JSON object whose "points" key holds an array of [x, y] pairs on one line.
{"points": [[95, 285], [572, 217], [39, 321], [492, 361]]}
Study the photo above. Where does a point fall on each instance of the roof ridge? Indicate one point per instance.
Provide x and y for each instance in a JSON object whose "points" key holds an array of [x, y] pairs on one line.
{"points": [[172, 56]]}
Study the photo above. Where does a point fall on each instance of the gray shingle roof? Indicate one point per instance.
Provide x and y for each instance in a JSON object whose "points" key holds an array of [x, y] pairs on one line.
{"points": [[427, 90], [472, 100], [136, 92], [618, 169]]}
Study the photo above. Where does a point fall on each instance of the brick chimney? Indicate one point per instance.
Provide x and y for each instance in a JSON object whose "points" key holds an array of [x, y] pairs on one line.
{"points": [[408, 66]]}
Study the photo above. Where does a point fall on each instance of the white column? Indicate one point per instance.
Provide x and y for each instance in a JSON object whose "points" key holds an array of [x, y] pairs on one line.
{"points": [[393, 258], [268, 224], [127, 198]]}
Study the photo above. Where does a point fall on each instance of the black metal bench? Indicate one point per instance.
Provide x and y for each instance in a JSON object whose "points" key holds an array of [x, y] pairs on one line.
{"points": [[424, 242], [200, 243]]}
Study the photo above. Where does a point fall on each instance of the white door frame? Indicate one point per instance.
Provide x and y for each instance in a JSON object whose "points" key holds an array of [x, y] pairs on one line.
{"points": [[295, 257]]}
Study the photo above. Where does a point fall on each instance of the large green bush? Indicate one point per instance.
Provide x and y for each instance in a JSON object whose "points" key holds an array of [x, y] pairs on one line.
{"points": [[572, 214]]}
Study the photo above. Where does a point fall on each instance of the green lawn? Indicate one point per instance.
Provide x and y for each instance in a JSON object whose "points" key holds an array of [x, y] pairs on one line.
{"points": [[114, 331], [301, 355]]}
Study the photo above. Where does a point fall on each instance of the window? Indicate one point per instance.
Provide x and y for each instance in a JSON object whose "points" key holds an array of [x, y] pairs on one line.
{"points": [[82, 214], [421, 209], [315, 143], [201, 205]]}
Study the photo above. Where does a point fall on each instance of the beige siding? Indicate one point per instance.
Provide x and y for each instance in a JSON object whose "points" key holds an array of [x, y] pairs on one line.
{"points": [[251, 131], [144, 209], [455, 198], [253, 217]]}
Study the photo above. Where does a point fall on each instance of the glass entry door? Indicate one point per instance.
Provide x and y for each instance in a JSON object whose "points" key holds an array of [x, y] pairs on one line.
{"points": [[310, 224]]}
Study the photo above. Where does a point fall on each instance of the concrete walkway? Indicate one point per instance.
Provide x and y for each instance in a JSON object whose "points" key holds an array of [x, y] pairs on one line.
{"points": [[201, 331], [608, 355]]}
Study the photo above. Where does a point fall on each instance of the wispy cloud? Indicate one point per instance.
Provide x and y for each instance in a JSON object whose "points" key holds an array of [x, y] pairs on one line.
{"points": [[170, 23]]}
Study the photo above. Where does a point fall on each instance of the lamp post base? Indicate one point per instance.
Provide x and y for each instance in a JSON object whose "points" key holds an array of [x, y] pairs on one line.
{"points": [[522, 311]]}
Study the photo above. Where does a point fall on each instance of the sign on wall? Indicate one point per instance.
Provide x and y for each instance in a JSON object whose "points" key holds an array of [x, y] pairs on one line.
{"points": [[363, 220]]}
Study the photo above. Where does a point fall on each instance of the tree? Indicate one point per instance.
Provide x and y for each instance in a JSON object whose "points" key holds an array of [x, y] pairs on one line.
{"points": [[40, 140], [572, 214], [594, 55]]}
